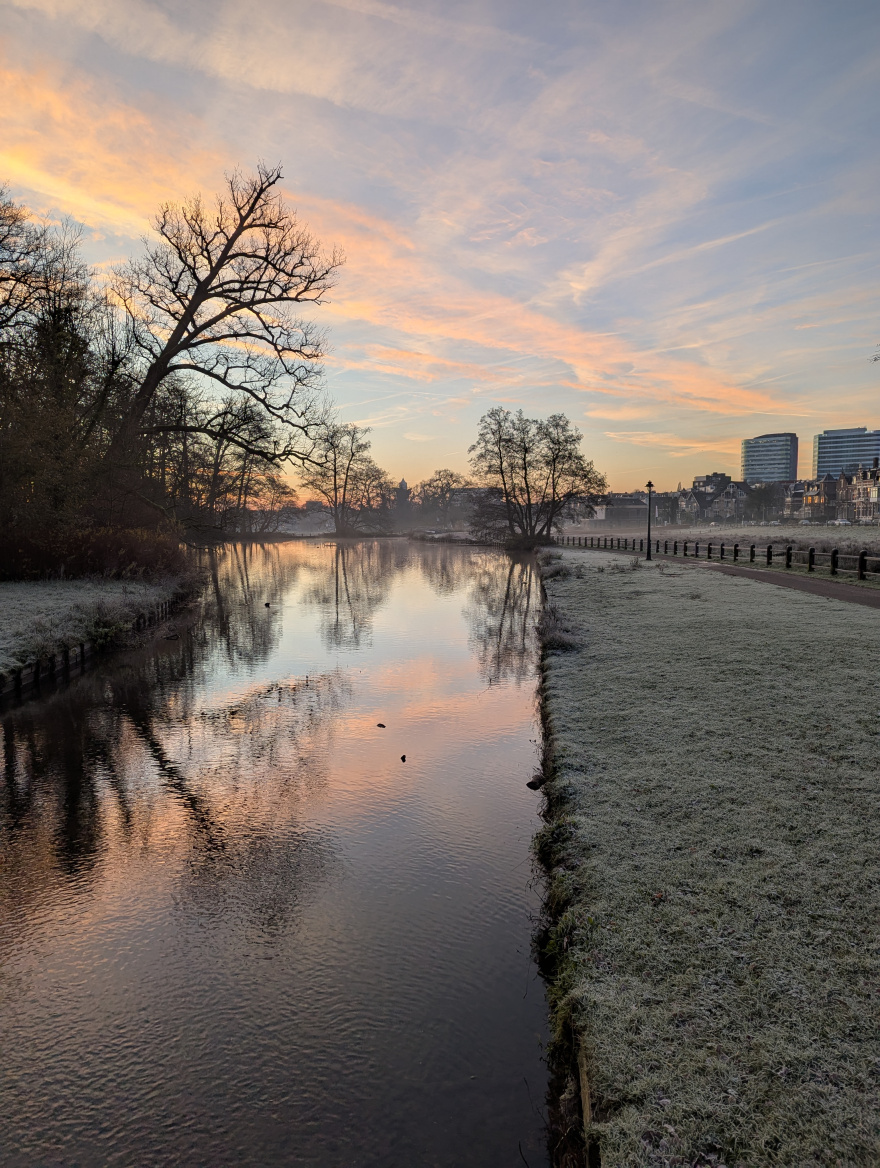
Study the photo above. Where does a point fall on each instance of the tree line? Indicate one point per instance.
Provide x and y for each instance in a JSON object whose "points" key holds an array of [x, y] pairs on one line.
{"points": [[178, 393]]}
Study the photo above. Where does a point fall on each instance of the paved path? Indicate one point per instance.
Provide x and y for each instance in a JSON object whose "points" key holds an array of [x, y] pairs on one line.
{"points": [[832, 589], [818, 585]]}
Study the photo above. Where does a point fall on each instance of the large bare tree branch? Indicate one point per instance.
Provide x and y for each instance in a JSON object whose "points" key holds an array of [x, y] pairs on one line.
{"points": [[216, 296]]}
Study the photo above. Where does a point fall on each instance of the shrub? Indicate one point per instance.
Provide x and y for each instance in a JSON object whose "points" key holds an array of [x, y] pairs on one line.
{"points": [[115, 553]]}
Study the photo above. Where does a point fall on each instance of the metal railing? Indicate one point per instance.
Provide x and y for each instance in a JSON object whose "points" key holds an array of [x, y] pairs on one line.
{"points": [[860, 564]]}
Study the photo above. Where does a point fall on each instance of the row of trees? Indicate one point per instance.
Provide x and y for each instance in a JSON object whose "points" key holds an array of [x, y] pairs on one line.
{"points": [[177, 392], [528, 473], [180, 392]]}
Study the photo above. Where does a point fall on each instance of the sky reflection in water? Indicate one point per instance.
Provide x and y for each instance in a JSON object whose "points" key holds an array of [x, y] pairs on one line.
{"points": [[234, 926]]}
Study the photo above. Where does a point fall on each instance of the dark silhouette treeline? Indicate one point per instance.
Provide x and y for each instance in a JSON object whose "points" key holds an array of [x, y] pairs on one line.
{"points": [[171, 395]]}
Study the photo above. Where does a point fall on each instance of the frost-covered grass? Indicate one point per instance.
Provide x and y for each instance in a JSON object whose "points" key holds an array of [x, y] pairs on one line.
{"points": [[38, 618], [848, 540], [714, 806]]}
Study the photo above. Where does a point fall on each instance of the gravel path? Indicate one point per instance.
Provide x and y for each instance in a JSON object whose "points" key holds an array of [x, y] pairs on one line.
{"points": [[713, 839]]}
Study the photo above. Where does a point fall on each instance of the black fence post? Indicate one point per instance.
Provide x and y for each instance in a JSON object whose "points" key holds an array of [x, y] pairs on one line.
{"points": [[721, 554], [666, 547], [811, 560], [658, 547], [751, 553], [675, 547], [684, 547], [735, 552], [863, 565], [788, 556], [835, 555], [641, 545], [708, 551], [697, 548], [769, 554]]}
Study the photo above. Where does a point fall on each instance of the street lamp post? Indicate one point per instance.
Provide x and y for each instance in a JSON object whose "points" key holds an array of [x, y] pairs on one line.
{"points": [[650, 487]]}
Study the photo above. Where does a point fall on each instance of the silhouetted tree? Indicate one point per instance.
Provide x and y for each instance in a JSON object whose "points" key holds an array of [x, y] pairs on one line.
{"points": [[532, 470], [215, 297], [355, 491], [442, 495], [764, 501], [23, 247]]}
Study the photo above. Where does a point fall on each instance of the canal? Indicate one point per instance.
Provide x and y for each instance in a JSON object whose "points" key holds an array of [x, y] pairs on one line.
{"points": [[241, 922]]}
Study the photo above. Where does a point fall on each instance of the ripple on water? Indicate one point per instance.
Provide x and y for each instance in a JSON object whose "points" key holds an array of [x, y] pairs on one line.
{"points": [[234, 928]]}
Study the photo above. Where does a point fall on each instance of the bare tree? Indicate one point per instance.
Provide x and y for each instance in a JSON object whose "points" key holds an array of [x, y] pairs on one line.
{"points": [[356, 492], [533, 471], [23, 248], [215, 297], [441, 494]]}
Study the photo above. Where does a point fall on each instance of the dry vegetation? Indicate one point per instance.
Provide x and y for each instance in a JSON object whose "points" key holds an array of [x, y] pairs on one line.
{"points": [[712, 837]]}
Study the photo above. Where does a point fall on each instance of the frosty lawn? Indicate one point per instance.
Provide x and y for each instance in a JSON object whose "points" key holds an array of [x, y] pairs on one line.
{"points": [[38, 618], [713, 839]]}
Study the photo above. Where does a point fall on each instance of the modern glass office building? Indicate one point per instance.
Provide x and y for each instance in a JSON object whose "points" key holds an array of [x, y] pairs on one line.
{"points": [[770, 458], [835, 451]]}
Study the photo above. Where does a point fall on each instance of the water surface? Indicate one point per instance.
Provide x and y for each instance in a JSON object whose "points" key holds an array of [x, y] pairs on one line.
{"points": [[235, 927]]}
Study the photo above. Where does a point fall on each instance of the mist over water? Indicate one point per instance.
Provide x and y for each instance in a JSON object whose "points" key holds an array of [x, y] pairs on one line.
{"points": [[235, 927]]}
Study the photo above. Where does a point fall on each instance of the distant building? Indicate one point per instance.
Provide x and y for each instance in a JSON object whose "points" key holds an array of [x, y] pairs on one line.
{"points": [[845, 507], [729, 503], [820, 498], [711, 482], [402, 501], [694, 505], [619, 510], [836, 451], [865, 494], [770, 458]]}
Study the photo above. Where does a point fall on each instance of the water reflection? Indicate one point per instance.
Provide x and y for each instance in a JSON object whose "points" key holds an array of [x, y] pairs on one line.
{"points": [[359, 581], [502, 610], [76, 776], [210, 842]]}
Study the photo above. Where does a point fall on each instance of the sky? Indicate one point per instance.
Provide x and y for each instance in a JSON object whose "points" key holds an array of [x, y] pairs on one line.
{"points": [[657, 216]]}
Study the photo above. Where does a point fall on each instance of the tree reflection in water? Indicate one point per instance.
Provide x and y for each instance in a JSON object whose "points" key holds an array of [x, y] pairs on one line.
{"points": [[241, 579], [502, 597], [227, 909], [110, 766], [347, 597], [102, 762], [502, 611]]}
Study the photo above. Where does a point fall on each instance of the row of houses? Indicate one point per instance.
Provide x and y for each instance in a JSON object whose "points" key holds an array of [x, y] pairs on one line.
{"points": [[716, 498], [854, 498]]}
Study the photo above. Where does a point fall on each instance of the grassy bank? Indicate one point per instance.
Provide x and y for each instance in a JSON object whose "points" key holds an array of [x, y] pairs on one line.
{"points": [[848, 540], [712, 838], [41, 617]]}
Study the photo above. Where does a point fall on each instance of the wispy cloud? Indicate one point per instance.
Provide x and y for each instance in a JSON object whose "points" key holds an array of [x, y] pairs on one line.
{"points": [[658, 217]]}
